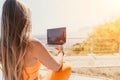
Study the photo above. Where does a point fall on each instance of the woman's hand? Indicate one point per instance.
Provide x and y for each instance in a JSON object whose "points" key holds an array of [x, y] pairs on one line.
{"points": [[59, 48]]}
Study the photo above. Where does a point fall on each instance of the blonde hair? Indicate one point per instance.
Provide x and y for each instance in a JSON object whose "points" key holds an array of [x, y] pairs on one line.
{"points": [[15, 32]]}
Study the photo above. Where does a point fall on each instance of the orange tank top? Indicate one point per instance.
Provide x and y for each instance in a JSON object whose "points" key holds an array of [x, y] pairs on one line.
{"points": [[31, 72]]}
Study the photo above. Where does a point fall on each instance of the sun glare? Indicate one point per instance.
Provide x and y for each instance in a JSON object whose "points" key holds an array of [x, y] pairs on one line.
{"points": [[114, 5]]}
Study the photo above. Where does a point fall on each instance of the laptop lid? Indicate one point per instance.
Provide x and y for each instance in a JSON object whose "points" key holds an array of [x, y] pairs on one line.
{"points": [[56, 36]]}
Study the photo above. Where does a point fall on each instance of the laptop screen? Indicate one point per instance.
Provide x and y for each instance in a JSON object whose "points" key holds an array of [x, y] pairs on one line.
{"points": [[56, 36]]}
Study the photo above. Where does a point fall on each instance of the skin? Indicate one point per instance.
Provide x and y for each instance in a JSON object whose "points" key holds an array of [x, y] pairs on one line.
{"points": [[39, 52]]}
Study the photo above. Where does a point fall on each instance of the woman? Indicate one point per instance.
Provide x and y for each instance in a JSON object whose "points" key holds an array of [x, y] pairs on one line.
{"points": [[21, 55]]}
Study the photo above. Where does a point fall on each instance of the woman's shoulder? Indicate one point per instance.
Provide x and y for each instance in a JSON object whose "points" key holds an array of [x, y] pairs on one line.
{"points": [[34, 45], [32, 51], [35, 42], [33, 48]]}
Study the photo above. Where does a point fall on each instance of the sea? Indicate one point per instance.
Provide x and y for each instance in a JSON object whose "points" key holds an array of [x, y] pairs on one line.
{"points": [[69, 41]]}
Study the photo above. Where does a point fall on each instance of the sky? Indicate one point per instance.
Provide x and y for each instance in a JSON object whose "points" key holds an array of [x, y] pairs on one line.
{"points": [[80, 17]]}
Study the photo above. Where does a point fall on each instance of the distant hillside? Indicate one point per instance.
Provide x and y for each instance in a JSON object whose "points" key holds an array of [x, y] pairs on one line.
{"points": [[105, 39]]}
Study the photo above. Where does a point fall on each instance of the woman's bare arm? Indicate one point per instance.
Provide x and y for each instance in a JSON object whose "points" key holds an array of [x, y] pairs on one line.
{"points": [[45, 58]]}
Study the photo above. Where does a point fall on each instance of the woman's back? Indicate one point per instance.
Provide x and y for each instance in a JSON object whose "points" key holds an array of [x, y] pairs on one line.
{"points": [[31, 72], [31, 51]]}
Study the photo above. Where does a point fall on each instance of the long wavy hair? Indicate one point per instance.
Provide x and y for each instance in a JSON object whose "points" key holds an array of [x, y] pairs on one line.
{"points": [[15, 33]]}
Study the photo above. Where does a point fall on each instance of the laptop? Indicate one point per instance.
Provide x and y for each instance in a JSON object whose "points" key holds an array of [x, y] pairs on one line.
{"points": [[56, 36]]}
